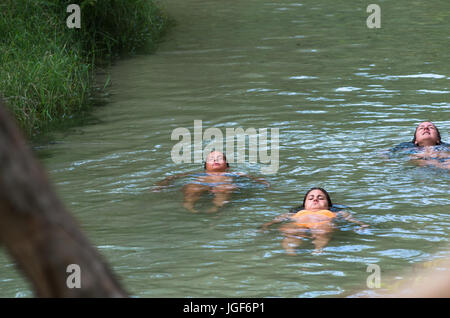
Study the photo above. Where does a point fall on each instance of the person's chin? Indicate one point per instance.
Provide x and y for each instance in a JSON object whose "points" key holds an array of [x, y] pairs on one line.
{"points": [[428, 138]]}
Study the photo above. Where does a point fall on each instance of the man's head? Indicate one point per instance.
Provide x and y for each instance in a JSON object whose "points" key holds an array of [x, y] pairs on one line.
{"points": [[426, 134]]}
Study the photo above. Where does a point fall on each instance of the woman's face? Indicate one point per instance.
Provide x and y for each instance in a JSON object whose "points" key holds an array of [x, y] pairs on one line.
{"points": [[316, 199], [216, 161], [426, 132]]}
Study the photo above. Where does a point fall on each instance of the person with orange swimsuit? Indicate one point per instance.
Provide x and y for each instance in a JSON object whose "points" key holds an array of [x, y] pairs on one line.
{"points": [[314, 220]]}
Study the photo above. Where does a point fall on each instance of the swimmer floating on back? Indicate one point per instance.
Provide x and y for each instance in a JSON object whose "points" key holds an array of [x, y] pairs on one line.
{"points": [[427, 137], [315, 219], [216, 180]]}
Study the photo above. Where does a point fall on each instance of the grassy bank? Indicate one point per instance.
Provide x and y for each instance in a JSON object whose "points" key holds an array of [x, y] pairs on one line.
{"points": [[46, 69]]}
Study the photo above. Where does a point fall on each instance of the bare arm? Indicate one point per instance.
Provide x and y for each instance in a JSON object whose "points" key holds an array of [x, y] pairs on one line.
{"points": [[385, 154], [432, 158], [431, 162], [278, 219], [348, 217], [257, 179], [161, 184]]}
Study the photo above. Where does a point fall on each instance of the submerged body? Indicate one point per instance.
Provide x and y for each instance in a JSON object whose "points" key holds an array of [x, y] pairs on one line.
{"points": [[429, 149], [221, 184], [215, 180], [317, 224], [314, 221], [432, 156]]}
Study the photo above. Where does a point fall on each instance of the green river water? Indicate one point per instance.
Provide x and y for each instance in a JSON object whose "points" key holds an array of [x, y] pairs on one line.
{"points": [[340, 94]]}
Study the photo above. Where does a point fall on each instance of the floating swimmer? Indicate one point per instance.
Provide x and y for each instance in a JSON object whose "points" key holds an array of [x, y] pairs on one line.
{"points": [[215, 180], [428, 137], [314, 220], [426, 148]]}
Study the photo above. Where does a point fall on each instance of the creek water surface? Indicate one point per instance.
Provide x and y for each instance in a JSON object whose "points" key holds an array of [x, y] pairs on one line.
{"points": [[340, 94]]}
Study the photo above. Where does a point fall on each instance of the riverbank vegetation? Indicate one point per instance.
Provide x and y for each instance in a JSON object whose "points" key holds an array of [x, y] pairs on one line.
{"points": [[47, 69]]}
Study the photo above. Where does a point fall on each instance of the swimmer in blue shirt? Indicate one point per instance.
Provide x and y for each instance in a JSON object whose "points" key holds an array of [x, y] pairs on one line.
{"points": [[428, 139], [425, 149], [215, 180]]}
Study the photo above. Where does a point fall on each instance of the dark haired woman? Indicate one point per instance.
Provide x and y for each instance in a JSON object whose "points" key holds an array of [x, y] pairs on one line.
{"points": [[426, 147], [427, 137], [313, 220], [426, 134]]}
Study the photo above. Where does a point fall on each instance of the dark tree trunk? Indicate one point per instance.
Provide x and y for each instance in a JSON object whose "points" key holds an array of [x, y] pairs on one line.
{"points": [[36, 229]]}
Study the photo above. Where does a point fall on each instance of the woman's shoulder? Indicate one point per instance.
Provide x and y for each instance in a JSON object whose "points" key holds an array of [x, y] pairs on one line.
{"points": [[295, 209], [325, 212], [443, 146], [402, 148], [411, 147]]}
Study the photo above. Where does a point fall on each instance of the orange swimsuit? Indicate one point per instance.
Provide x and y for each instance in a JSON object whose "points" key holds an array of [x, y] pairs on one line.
{"points": [[330, 215]]}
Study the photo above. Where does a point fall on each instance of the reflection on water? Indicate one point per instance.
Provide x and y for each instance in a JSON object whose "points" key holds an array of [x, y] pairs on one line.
{"points": [[341, 95]]}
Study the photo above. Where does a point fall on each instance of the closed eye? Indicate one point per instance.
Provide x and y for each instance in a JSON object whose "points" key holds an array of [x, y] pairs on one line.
{"points": [[429, 127]]}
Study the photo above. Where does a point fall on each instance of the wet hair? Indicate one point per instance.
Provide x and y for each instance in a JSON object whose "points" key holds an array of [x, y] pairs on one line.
{"points": [[224, 157], [437, 130], [301, 207]]}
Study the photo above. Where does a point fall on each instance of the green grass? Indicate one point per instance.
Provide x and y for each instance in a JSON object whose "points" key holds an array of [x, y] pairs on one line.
{"points": [[47, 69]]}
